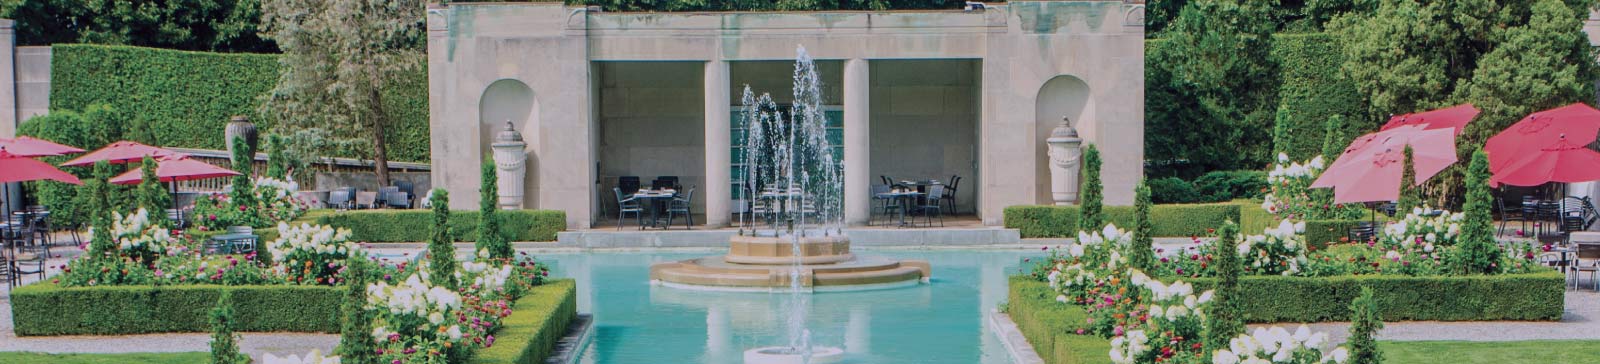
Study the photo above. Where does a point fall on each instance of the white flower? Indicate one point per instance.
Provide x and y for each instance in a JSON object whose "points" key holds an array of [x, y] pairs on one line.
{"points": [[1302, 333], [1316, 163], [1300, 227], [1190, 301], [1317, 340], [1206, 297], [1223, 356], [1061, 298], [455, 332], [436, 318], [1283, 157], [1076, 250], [314, 357], [1175, 312], [1339, 355], [1157, 311]]}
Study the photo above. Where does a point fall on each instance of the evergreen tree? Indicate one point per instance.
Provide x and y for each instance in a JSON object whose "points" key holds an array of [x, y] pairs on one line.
{"points": [[243, 188], [98, 192], [1410, 193], [1364, 323], [356, 344], [152, 196], [1089, 218], [224, 343], [1143, 252], [276, 160], [1219, 53], [441, 251], [1477, 252], [1225, 319], [489, 236], [1281, 135]]}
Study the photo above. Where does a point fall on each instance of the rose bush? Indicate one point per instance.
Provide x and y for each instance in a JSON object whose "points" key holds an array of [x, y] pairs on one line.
{"points": [[308, 254]]}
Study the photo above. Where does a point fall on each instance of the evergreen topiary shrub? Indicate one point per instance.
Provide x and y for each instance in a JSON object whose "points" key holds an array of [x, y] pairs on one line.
{"points": [[1226, 320], [1142, 252], [1364, 323], [1410, 194], [1478, 251], [1089, 218], [356, 344], [224, 343], [377, 226], [441, 248], [152, 195], [490, 237]]}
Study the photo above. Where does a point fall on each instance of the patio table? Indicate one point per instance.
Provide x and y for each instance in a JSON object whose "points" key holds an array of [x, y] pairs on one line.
{"points": [[234, 243], [654, 200], [907, 196]]}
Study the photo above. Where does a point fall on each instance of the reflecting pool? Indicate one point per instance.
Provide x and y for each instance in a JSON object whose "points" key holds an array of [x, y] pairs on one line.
{"points": [[939, 322]]}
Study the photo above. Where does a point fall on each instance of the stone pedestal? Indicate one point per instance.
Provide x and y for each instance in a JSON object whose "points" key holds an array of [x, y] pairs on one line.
{"points": [[1065, 159], [510, 166]]}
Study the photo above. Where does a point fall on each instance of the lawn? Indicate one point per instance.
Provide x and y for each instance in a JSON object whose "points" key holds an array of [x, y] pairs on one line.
{"points": [[130, 358], [1467, 352]]}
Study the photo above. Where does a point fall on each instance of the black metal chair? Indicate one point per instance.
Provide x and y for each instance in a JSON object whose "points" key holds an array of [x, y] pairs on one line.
{"points": [[666, 182], [627, 205], [340, 199], [950, 192], [628, 184], [24, 258], [383, 195], [398, 200], [407, 187], [884, 204], [931, 206], [1508, 215], [682, 204]]}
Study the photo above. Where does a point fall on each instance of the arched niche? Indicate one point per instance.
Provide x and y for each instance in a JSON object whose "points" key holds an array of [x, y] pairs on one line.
{"points": [[1062, 96], [509, 100]]}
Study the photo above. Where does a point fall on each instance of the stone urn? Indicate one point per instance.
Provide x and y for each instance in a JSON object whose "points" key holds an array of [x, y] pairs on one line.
{"points": [[510, 166], [241, 126], [1065, 159]]}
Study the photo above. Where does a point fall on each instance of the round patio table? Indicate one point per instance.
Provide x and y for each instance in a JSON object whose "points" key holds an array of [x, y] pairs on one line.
{"points": [[655, 200], [906, 197]]}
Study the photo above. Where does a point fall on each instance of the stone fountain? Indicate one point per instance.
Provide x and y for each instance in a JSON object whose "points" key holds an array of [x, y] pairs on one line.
{"points": [[793, 238]]}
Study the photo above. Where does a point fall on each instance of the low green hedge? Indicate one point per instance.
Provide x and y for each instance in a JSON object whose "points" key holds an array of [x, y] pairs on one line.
{"points": [[1178, 220], [48, 309], [540, 318], [392, 226], [1051, 326], [1532, 296], [1321, 233]]}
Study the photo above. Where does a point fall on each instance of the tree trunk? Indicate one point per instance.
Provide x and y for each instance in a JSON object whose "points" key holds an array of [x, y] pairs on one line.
{"points": [[380, 153]]}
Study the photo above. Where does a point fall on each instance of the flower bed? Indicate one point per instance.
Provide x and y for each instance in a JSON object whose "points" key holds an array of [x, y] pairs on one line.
{"points": [[1178, 220], [1051, 326], [529, 335], [48, 309], [379, 226]]}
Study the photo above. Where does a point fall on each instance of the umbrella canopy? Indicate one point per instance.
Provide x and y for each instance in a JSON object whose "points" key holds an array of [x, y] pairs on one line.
{"points": [[172, 169], [1370, 169], [22, 169], [1560, 162], [1454, 117], [1576, 124], [118, 153], [26, 146]]}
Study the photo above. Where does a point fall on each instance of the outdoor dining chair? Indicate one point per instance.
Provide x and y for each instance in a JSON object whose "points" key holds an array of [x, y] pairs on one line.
{"points": [[1588, 261], [949, 195], [882, 203], [931, 206], [366, 200], [23, 258], [398, 200], [1508, 215], [628, 205], [339, 199], [682, 204], [628, 184]]}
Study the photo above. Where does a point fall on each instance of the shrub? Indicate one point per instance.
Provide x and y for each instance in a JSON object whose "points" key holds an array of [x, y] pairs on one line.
{"points": [[152, 196], [1527, 296], [184, 99], [441, 248], [1364, 323], [539, 319], [243, 189], [1053, 327], [1142, 252], [490, 238], [355, 328], [1322, 233], [1227, 316], [1221, 186], [277, 165], [1311, 87], [1410, 193], [1478, 252], [48, 309], [1173, 190], [378, 226], [1185, 220], [224, 343], [1089, 218]]}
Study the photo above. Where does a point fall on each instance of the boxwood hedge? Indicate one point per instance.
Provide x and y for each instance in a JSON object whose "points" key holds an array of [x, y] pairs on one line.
{"points": [[1177, 220], [1051, 326], [398, 226], [529, 335], [48, 309]]}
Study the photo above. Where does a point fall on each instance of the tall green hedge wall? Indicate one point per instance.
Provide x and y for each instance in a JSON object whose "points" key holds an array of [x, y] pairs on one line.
{"points": [[1313, 89], [49, 309], [186, 98], [1176, 220], [405, 226]]}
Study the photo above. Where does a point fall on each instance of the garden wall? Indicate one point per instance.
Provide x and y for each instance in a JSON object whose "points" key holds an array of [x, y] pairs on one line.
{"points": [[186, 98], [1181, 220], [401, 226]]}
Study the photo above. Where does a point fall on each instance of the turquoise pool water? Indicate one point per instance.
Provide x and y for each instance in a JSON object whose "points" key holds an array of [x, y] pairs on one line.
{"points": [[939, 322]]}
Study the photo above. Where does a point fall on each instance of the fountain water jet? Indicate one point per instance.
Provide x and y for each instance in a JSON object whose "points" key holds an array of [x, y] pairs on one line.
{"points": [[793, 240]]}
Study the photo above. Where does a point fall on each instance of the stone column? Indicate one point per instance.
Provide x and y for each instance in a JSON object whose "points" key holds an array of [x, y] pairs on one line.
{"points": [[8, 105], [857, 147], [510, 167], [718, 188]]}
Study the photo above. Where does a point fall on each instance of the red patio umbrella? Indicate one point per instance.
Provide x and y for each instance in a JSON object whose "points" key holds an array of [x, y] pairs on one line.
{"points": [[1454, 117], [1370, 169], [26, 146], [173, 169], [1560, 162], [119, 153], [15, 168], [1576, 124]]}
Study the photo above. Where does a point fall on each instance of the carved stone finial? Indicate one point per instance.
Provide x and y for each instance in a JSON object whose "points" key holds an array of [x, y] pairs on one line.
{"points": [[508, 134]]}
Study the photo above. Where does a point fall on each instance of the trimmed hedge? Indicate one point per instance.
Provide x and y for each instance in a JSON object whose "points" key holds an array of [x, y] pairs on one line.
{"points": [[396, 226], [540, 318], [1312, 88], [1182, 220], [1321, 233], [49, 309], [1532, 296], [1050, 326], [186, 98]]}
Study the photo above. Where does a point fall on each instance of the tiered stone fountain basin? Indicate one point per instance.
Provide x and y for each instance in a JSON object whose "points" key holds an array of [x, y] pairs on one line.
{"points": [[765, 263]]}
